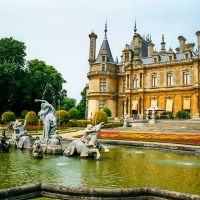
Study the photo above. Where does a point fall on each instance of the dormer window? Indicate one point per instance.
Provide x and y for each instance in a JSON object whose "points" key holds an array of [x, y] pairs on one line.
{"points": [[186, 56], [103, 58], [155, 60], [170, 58]]}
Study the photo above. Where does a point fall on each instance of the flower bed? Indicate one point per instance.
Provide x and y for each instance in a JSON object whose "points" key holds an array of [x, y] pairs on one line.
{"points": [[193, 139]]}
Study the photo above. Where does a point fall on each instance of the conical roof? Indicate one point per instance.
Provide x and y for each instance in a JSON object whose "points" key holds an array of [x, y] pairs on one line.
{"points": [[105, 49]]}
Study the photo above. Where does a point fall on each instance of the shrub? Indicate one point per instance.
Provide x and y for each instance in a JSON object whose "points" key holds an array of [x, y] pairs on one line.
{"points": [[183, 114], [167, 115], [99, 116], [8, 117], [74, 113], [72, 123], [62, 117], [23, 114], [31, 118], [83, 123], [113, 125], [108, 112]]}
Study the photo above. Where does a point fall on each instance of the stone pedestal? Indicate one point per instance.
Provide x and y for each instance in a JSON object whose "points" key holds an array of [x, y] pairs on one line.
{"points": [[51, 149]]}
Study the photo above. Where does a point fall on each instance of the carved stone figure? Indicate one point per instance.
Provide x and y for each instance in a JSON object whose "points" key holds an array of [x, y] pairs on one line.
{"points": [[54, 144], [37, 149], [48, 116], [87, 146], [4, 145], [20, 137]]}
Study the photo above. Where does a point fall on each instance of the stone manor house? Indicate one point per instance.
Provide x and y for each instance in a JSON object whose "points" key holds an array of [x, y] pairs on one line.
{"points": [[144, 77]]}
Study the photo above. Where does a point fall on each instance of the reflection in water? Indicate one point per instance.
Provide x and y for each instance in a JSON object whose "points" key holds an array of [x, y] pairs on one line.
{"points": [[122, 167]]}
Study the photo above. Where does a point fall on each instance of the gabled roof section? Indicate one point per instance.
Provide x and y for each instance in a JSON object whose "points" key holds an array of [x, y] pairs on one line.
{"points": [[105, 49]]}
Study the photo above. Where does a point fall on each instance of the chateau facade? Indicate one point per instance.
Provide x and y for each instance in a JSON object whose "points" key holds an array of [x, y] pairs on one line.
{"points": [[144, 77]]}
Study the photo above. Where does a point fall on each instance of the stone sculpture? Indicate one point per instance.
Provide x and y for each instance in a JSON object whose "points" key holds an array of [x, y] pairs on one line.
{"points": [[20, 137], [88, 145], [51, 144], [48, 115], [4, 145], [54, 144], [37, 149]]}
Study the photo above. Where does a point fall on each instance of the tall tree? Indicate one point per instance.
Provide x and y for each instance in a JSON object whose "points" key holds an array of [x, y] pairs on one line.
{"points": [[68, 103], [82, 104], [12, 61], [46, 83], [12, 51]]}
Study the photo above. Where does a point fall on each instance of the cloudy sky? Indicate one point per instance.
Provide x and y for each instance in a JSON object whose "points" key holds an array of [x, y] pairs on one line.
{"points": [[56, 31]]}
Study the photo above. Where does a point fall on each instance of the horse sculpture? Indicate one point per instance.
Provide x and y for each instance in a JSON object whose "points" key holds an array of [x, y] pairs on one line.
{"points": [[88, 145]]}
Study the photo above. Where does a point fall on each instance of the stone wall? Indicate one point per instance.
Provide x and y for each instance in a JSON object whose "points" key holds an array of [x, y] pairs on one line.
{"points": [[62, 192]]}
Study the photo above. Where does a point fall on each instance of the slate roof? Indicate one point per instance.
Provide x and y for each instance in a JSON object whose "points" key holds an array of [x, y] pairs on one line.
{"points": [[105, 48]]}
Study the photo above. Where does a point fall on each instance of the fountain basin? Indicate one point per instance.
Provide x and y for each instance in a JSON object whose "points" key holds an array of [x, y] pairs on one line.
{"points": [[123, 167]]}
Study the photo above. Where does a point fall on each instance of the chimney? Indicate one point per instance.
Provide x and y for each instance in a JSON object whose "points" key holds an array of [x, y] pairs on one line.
{"points": [[198, 39], [182, 43], [150, 48]]}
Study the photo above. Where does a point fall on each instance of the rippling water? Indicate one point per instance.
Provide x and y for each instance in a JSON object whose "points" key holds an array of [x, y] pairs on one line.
{"points": [[122, 167]]}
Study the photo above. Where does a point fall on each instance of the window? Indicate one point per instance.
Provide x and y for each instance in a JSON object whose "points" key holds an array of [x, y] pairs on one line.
{"points": [[170, 58], [155, 60], [154, 80], [103, 58], [103, 67], [135, 82], [186, 78], [126, 57], [124, 86], [169, 79], [102, 85], [101, 104], [186, 56]]}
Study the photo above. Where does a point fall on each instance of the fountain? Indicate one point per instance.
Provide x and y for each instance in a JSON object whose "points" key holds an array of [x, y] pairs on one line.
{"points": [[123, 169], [87, 146], [50, 144], [21, 138], [4, 145]]}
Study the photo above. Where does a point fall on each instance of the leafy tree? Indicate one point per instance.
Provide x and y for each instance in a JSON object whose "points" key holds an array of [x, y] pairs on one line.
{"points": [[74, 113], [12, 77], [68, 103], [46, 83], [82, 104], [12, 51]]}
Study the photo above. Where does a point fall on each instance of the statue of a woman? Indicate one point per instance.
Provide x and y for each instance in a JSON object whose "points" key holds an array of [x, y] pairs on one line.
{"points": [[48, 115]]}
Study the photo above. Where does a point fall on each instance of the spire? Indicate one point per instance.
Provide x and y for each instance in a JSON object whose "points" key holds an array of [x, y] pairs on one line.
{"points": [[105, 37], [162, 43], [135, 28], [105, 49]]}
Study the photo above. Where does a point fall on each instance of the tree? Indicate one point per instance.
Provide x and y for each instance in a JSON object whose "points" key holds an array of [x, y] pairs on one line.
{"points": [[74, 113], [68, 103], [46, 83], [12, 51], [12, 77], [81, 107]]}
